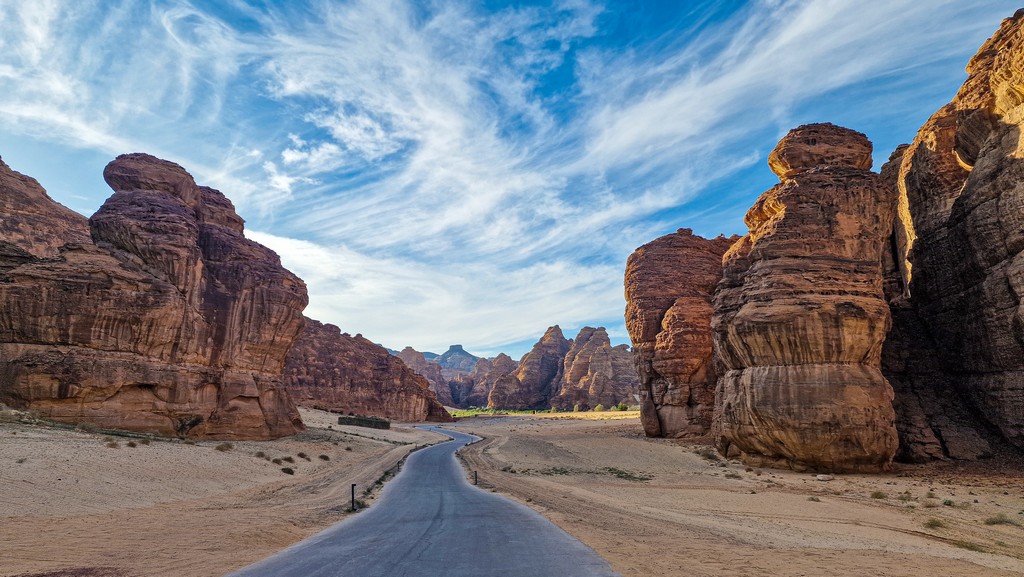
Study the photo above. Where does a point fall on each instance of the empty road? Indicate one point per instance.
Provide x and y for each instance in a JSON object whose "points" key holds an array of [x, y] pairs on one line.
{"points": [[430, 522]]}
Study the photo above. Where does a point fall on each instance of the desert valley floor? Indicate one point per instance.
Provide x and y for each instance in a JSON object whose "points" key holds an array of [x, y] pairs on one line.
{"points": [[83, 504]]}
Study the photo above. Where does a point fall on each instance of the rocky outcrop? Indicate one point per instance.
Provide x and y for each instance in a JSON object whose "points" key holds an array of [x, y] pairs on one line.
{"points": [[156, 314], [485, 374], [961, 243], [595, 373], [669, 283], [800, 316], [530, 386], [562, 373], [332, 370], [431, 371]]}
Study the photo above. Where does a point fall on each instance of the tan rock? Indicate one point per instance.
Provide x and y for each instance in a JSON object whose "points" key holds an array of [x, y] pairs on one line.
{"points": [[595, 373], [530, 387], [169, 321], [800, 318], [669, 283], [960, 180], [331, 370]]}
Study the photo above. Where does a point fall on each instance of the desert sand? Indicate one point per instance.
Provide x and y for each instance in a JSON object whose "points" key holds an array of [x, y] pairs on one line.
{"points": [[73, 507], [84, 504], [672, 508]]}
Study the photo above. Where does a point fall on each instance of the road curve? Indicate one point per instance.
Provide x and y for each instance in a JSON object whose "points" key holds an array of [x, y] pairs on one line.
{"points": [[430, 522]]}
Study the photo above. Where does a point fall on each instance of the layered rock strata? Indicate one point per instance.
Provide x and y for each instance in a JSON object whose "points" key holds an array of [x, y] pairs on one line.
{"points": [[669, 283], [416, 361], [332, 370], [155, 315], [595, 373], [962, 249], [485, 374], [800, 316], [530, 387]]}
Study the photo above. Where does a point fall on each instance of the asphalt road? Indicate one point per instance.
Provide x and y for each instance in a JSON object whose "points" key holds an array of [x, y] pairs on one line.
{"points": [[430, 522]]}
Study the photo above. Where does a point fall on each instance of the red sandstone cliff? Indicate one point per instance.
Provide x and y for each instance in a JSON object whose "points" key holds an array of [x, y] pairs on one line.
{"points": [[158, 314], [331, 370]]}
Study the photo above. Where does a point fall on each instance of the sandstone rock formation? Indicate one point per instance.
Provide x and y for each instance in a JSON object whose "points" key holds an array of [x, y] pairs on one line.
{"points": [[530, 386], [485, 374], [669, 283], [457, 359], [156, 314], [595, 373], [960, 238], [416, 361], [562, 373], [800, 316], [331, 370]]}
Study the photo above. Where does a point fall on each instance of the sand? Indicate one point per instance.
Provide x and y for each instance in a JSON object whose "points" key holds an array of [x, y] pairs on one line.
{"points": [[72, 506], [71, 503], [658, 507]]}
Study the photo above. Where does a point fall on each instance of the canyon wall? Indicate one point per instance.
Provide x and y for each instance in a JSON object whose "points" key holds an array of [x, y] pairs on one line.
{"points": [[331, 370], [156, 314], [960, 239]]}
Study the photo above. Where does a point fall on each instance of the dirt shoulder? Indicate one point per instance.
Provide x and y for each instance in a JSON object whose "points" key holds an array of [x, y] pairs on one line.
{"points": [[663, 507], [90, 504]]}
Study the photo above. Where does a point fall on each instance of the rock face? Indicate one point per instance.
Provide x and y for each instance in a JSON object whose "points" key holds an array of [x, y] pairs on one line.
{"points": [[156, 314], [669, 283], [457, 359], [530, 386], [960, 242], [595, 373], [485, 374], [416, 361], [800, 316], [331, 370], [563, 373]]}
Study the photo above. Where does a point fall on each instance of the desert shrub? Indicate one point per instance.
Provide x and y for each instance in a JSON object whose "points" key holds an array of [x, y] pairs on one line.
{"points": [[879, 495], [324, 458], [929, 495], [132, 444], [288, 459], [934, 523], [1001, 519], [814, 499], [905, 497], [599, 408], [113, 444], [304, 456], [287, 470], [733, 475], [260, 455], [948, 502], [144, 441], [622, 406], [223, 447], [348, 448], [276, 461]]}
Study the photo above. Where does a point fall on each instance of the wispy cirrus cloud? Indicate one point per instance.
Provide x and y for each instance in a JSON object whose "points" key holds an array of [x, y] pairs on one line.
{"points": [[454, 171]]}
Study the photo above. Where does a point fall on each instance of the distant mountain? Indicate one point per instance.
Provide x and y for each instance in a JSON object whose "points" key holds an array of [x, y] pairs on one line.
{"points": [[456, 358]]}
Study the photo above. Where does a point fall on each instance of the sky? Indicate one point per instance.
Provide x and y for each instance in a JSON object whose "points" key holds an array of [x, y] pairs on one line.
{"points": [[472, 172]]}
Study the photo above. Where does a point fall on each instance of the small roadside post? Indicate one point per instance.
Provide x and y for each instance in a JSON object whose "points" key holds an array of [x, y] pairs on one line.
{"points": [[353, 496], [475, 478]]}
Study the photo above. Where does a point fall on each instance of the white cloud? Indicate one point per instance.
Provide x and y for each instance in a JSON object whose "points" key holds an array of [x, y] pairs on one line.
{"points": [[441, 186]]}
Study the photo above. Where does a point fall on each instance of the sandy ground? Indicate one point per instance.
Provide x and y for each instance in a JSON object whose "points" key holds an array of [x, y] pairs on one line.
{"points": [[659, 507], [72, 506], [81, 504]]}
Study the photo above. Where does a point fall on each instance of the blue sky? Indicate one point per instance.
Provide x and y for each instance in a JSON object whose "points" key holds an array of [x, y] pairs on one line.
{"points": [[446, 171]]}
